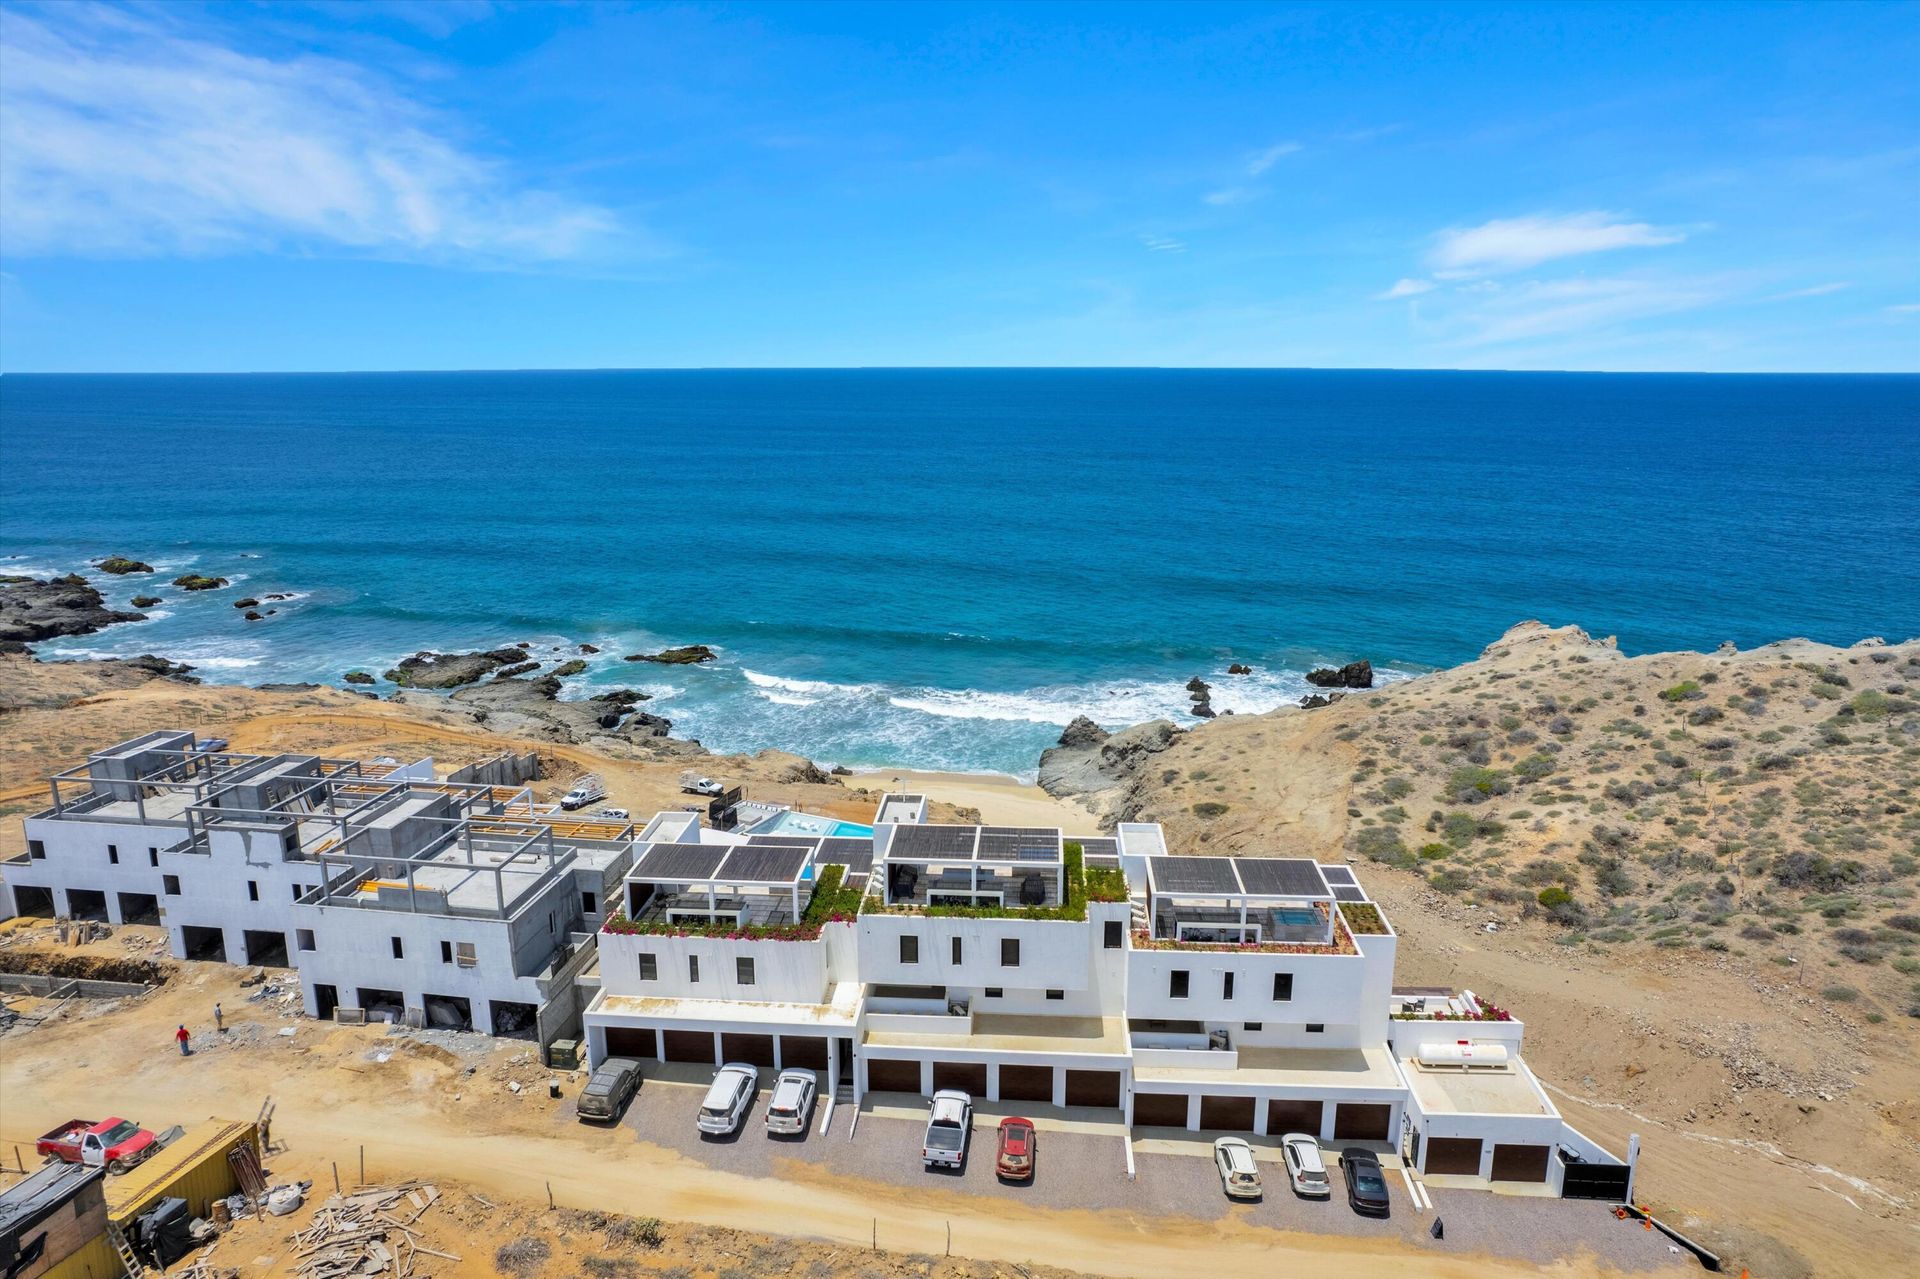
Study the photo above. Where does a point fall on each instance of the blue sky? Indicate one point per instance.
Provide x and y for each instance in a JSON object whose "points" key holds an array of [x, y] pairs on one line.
{"points": [[469, 185]]}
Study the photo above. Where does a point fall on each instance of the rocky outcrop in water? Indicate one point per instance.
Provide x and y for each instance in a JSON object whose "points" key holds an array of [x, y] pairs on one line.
{"points": [[35, 610], [357, 677], [147, 601], [685, 655], [1096, 766], [532, 708], [199, 582], [120, 564], [1353, 675], [1200, 693], [450, 670], [1239, 668]]}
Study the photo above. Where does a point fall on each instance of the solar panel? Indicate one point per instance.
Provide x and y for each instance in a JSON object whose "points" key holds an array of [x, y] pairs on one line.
{"points": [[1098, 847], [955, 842], [1337, 875], [764, 864], [1020, 843], [1282, 877], [1193, 874], [784, 841], [674, 862], [1348, 893], [854, 854]]}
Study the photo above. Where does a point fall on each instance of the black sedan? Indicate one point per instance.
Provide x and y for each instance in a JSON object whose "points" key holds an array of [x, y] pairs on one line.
{"points": [[1366, 1186]]}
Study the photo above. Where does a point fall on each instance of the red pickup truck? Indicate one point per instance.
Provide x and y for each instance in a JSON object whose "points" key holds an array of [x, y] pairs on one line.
{"points": [[113, 1144]]}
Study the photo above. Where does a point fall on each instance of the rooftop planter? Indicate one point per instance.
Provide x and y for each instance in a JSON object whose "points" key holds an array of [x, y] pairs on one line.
{"points": [[832, 903], [1364, 918], [1083, 885], [1488, 1012], [1342, 944]]}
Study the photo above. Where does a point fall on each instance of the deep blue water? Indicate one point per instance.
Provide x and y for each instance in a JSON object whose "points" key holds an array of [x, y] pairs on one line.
{"points": [[937, 568]]}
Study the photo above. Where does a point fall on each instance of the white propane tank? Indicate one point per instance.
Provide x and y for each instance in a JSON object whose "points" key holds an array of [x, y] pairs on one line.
{"points": [[1463, 1053]]}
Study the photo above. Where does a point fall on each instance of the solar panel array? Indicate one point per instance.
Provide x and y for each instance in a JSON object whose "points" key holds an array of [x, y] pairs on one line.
{"points": [[1338, 875], [765, 864], [1228, 876], [679, 861], [773, 862], [955, 842], [854, 854], [1036, 844], [1194, 874], [1282, 876], [1349, 893], [1019, 843]]}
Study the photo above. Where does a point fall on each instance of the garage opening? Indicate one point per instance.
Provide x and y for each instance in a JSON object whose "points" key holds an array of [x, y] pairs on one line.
{"points": [[512, 1020], [1159, 1110], [967, 1076], [1520, 1163], [326, 998], [87, 903], [139, 908], [1226, 1114], [1026, 1083], [804, 1052], [754, 1050], [689, 1045], [381, 1005], [1285, 1115], [625, 1041], [1457, 1156], [1353, 1121], [37, 902], [208, 944], [892, 1076], [448, 1012], [1094, 1088], [266, 948]]}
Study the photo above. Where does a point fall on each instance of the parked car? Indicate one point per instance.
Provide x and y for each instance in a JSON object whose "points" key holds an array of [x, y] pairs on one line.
{"points": [[114, 1144], [1305, 1169], [1018, 1144], [587, 790], [609, 1089], [614, 814], [791, 1106], [949, 1121], [212, 745], [1239, 1175], [726, 1102], [1366, 1184]]}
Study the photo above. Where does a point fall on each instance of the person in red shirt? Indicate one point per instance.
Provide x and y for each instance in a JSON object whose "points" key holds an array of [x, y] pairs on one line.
{"points": [[182, 1036]]}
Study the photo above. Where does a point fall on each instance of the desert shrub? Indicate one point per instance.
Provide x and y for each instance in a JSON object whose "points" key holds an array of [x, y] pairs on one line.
{"points": [[1396, 788], [1813, 870], [1450, 879], [1905, 923], [521, 1257], [1757, 932], [1705, 715], [1685, 690], [1840, 994], [1534, 767], [1612, 879], [1383, 844], [1554, 896], [1210, 809]]}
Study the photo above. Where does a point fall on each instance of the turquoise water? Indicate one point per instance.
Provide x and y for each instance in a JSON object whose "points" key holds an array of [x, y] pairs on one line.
{"points": [[940, 568], [789, 822]]}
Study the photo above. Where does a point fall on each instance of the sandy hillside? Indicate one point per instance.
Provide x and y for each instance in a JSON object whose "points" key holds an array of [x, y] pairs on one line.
{"points": [[1693, 876]]}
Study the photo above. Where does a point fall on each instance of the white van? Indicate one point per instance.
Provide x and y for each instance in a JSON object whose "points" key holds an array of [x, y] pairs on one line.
{"points": [[726, 1102]]}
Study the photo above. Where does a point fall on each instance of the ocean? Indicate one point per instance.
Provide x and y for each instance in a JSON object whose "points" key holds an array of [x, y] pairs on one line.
{"points": [[939, 568]]}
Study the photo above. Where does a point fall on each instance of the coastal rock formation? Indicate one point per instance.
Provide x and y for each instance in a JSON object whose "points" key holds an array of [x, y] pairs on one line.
{"points": [[573, 667], [450, 670], [1082, 734], [1353, 675], [794, 768], [1239, 668], [1097, 766], [1314, 701], [199, 582], [248, 602], [34, 610], [146, 601], [357, 677], [120, 564], [686, 655], [518, 668], [1200, 693], [531, 708], [588, 648]]}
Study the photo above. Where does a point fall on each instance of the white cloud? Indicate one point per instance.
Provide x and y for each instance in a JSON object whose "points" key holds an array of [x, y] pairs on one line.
{"points": [[1163, 244], [125, 136], [1814, 291], [1544, 308], [1515, 244], [1261, 161], [1406, 289], [1904, 308], [1228, 195]]}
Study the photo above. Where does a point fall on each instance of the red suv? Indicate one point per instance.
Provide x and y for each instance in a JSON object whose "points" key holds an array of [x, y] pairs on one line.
{"points": [[1016, 1149]]}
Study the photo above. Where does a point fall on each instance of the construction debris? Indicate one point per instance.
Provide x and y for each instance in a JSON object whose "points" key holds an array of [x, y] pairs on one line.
{"points": [[366, 1233]]}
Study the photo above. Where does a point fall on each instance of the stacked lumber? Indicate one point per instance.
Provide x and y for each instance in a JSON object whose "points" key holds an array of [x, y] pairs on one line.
{"points": [[368, 1232]]}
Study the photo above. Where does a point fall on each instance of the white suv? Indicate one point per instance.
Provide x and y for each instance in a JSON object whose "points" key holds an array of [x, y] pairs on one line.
{"points": [[726, 1102], [1239, 1175], [791, 1103], [1305, 1169]]}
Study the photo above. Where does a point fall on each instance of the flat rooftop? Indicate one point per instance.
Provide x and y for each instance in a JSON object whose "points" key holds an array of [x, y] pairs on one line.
{"points": [[1292, 877], [1005, 1032], [946, 845], [1368, 1067], [841, 1010], [1507, 1091]]}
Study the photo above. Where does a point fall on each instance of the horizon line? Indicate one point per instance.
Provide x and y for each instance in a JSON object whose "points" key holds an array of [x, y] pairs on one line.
{"points": [[956, 368]]}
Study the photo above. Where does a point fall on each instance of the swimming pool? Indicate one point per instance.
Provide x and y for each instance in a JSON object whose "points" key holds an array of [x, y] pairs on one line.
{"points": [[789, 822]]}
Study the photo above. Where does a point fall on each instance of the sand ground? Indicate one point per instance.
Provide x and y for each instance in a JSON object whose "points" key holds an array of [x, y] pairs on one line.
{"points": [[999, 799]]}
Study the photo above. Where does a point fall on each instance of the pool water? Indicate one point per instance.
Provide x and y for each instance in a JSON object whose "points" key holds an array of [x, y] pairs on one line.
{"points": [[790, 822]]}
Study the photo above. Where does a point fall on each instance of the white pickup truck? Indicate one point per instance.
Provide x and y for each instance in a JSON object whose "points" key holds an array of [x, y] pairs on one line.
{"points": [[694, 784], [589, 789], [948, 1124]]}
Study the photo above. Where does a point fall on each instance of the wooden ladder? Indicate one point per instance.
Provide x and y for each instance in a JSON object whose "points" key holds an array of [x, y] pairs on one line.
{"points": [[128, 1257]]}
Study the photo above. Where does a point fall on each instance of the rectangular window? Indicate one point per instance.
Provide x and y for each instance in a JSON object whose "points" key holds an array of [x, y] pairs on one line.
{"points": [[1316, 1028], [1282, 987], [956, 950], [693, 968], [38, 850], [303, 938], [1177, 984], [153, 856], [170, 884], [909, 948], [297, 890], [399, 951], [1226, 984], [1115, 934], [463, 954], [589, 903], [446, 952], [113, 854], [649, 968], [743, 971], [995, 992], [291, 841], [1009, 952], [1056, 994], [253, 890], [1250, 1025]]}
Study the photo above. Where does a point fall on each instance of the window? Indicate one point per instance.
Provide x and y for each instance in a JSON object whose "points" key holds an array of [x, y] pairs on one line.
{"points": [[153, 856], [909, 948], [956, 950], [291, 841], [113, 854], [995, 992], [743, 971], [693, 968], [649, 968], [1282, 987], [1116, 934], [399, 951], [253, 890], [1009, 952], [589, 903], [303, 938], [446, 952], [1056, 994], [1316, 1028], [550, 923], [297, 890], [463, 954], [38, 850], [170, 884], [1177, 981], [1250, 1025], [1226, 984]]}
